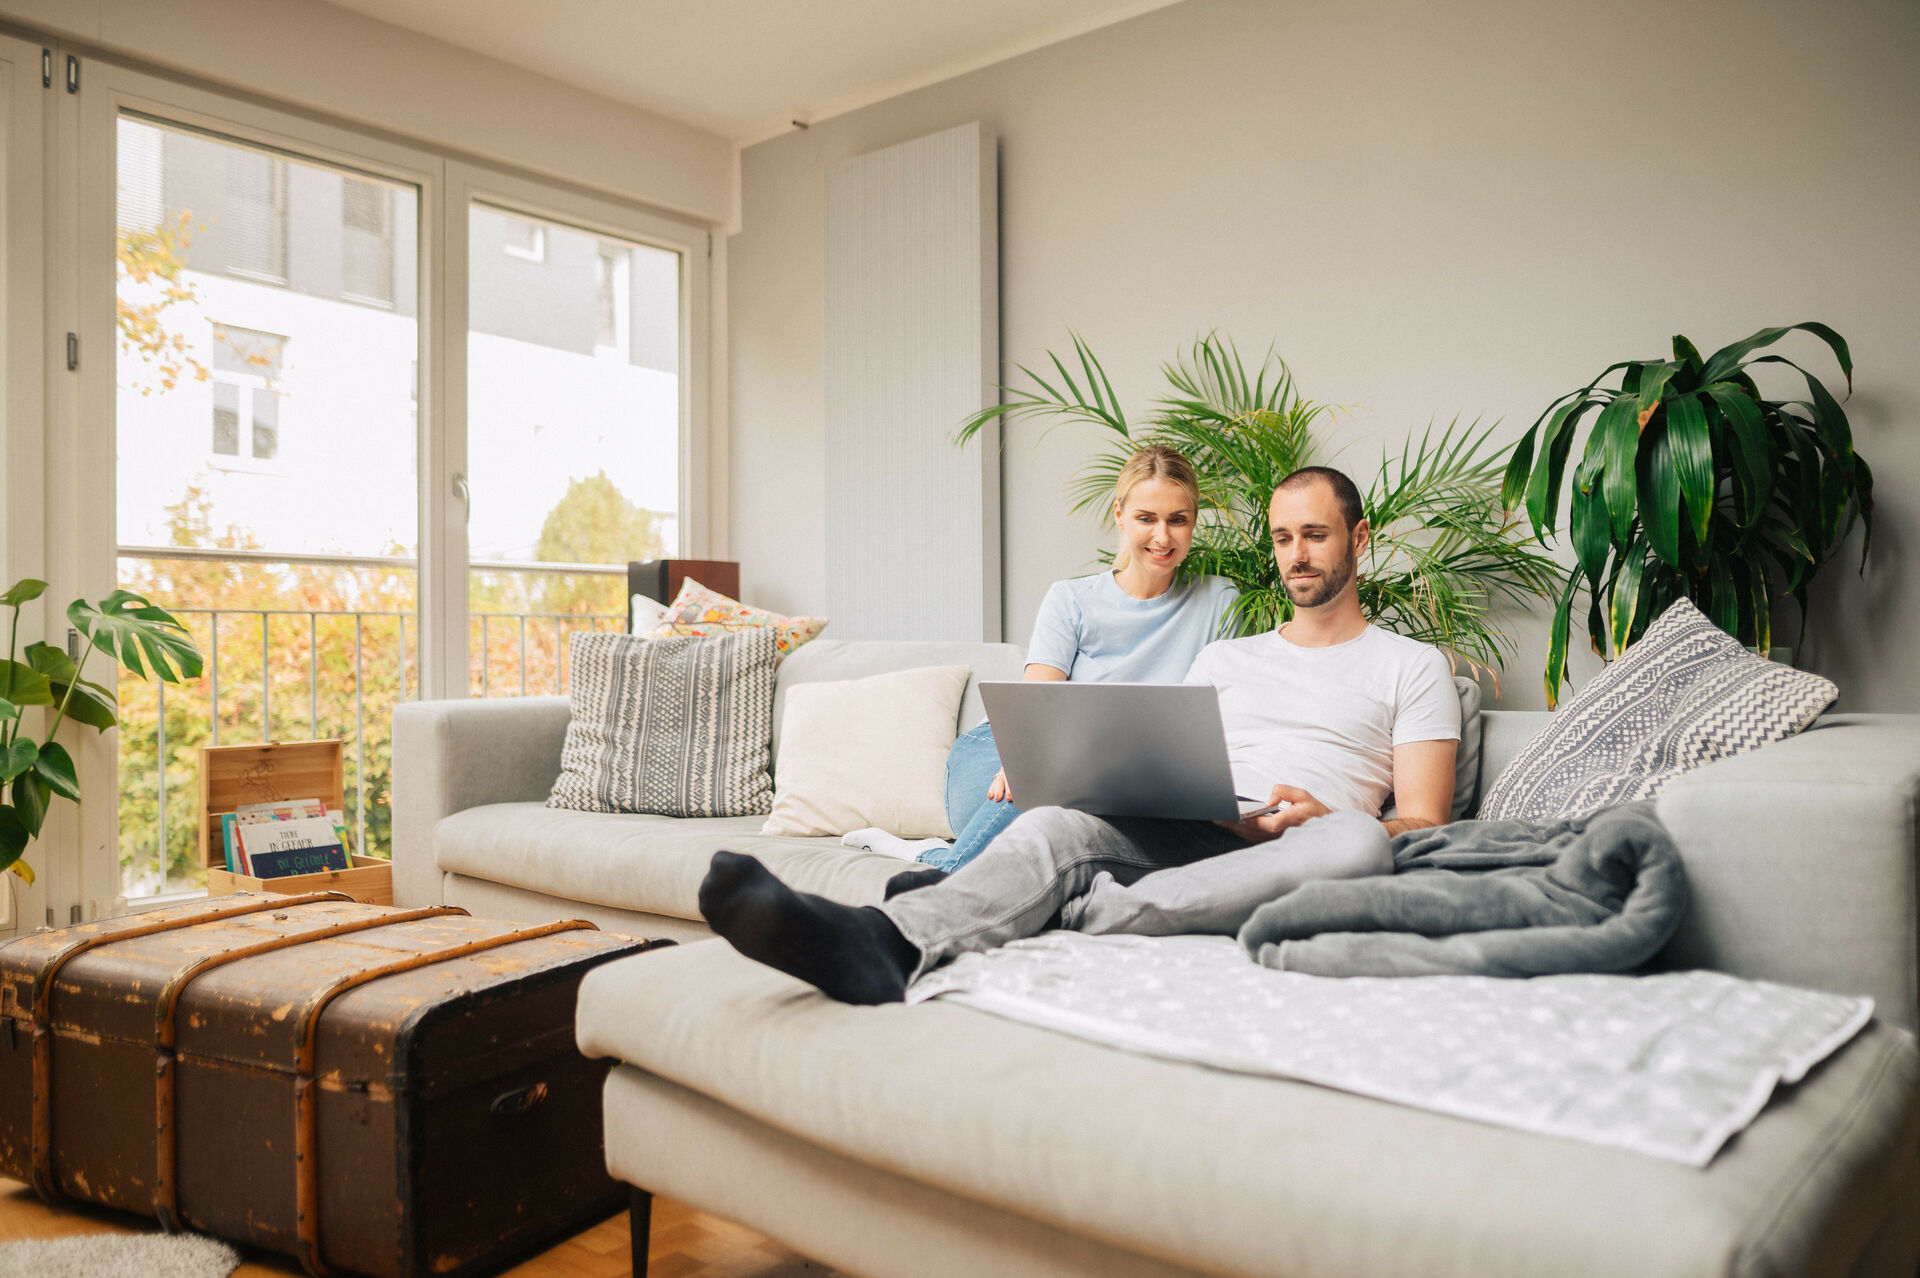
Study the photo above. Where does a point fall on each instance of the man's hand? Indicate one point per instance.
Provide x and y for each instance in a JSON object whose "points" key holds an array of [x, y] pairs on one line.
{"points": [[997, 788], [1301, 808]]}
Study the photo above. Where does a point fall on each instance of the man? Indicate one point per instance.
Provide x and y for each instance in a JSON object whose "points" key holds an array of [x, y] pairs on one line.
{"points": [[1327, 715]]}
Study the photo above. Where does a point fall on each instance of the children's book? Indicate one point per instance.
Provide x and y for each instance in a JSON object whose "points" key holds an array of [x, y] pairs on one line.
{"points": [[251, 814], [226, 838], [295, 845]]}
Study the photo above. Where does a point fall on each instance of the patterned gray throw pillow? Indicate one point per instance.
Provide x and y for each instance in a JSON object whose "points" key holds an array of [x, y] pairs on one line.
{"points": [[682, 727], [1685, 695]]}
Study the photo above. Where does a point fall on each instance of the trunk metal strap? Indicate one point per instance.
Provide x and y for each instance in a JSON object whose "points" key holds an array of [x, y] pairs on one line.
{"points": [[305, 1091], [165, 1032], [42, 1132]]}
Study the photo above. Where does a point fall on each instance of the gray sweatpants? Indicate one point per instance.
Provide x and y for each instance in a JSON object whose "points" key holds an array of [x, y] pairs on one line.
{"points": [[1125, 874]]}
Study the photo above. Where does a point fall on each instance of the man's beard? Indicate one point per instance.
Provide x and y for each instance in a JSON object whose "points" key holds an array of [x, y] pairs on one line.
{"points": [[1317, 590]]}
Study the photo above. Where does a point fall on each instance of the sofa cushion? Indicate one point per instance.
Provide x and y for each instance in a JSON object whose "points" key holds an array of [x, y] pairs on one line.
{"points": [[703, 612], [1230, 1174], [870, 752], [1685, 695], [681, 727], [636, 861]]}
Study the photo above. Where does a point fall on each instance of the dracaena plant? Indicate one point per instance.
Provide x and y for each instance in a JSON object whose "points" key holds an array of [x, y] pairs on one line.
{"points": [[1692, 485], [144, 639], [1443, 550]]}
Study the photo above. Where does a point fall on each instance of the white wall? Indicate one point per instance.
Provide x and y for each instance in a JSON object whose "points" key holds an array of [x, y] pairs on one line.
{"points": [[1433, 209], [306, 54]]}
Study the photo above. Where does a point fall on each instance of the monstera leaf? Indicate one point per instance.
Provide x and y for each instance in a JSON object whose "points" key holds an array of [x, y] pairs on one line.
{"points": [[145, 639]]}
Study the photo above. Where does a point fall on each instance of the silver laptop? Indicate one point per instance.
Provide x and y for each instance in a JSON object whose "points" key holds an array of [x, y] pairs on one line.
{"points": [[1116, 749]]}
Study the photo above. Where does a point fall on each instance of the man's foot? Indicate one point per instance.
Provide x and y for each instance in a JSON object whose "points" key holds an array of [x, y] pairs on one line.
{"points": [[855, 955], [908, 880]]}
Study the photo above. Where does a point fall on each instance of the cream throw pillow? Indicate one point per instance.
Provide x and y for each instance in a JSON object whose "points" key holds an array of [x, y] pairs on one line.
{"points": [[867, 752]]}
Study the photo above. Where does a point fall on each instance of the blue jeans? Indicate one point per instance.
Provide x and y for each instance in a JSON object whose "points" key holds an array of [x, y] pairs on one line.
{"points": [[975, 819]]}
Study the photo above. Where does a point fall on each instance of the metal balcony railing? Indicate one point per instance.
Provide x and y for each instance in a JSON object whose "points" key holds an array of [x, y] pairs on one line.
{"points": [[277, 703]]}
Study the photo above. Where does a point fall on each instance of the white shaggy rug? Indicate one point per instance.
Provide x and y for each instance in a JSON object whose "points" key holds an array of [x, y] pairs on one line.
{"points": [[120, 1256]]}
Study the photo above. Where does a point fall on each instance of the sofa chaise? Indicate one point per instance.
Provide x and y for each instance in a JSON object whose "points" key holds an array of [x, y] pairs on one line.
{"points": [[935, 1140]]}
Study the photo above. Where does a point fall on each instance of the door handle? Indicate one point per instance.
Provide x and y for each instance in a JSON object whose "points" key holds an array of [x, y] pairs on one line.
{"points": [[465, 494]]}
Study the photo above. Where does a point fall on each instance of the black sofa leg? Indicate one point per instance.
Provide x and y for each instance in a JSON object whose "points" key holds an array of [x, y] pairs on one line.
{"points": [[640, 1225]]}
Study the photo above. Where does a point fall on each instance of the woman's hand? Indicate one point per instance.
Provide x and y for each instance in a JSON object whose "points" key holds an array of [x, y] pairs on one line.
{"points": [[997, 788]]}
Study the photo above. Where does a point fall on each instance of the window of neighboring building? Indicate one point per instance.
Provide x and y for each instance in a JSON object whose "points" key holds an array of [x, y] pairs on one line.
{"points": [[526, 239], [246, 399], [366, 240], [613, 301], [256, 209]]}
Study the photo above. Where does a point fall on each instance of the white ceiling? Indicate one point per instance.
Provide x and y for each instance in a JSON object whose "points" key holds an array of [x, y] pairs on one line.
{"points": [[745, 68]]}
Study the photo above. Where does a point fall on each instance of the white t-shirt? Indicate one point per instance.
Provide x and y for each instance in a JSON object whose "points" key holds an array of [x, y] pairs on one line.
{"points": [[1327, 719]]}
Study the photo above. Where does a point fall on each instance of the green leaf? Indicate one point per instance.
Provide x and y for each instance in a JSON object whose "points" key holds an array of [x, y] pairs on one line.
{"points": [[1727, 358], [50, 661], [1626, 594], [1692, 448], [1863, 490], [1658, 488], [1620, 428], [30, 802], [147, 640], [55, 767], [1653, 384], [1557, 640], [1752, 454], [14, 837], [90, 704], [17, 758], [1684, 352], [1543, 488], [27, 588], [1762, 609], [1833, 505], [1514, 484], [1725, 610], [8, 710], [1590, 529], [23, 685]]}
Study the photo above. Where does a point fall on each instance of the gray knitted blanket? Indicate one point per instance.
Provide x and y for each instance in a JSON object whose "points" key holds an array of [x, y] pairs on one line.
{"points": [[1600, 893]]}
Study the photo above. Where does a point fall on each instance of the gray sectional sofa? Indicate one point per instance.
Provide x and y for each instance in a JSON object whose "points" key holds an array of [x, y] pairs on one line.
{"points": [[935, 1140]]}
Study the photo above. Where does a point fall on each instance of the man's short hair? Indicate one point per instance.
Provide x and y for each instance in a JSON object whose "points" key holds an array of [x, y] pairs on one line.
{"points": [[1343, 490]]}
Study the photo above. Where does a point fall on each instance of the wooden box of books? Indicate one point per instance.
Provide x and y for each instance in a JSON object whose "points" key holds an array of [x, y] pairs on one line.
{"points": [[379, 1091], [272, 819]]}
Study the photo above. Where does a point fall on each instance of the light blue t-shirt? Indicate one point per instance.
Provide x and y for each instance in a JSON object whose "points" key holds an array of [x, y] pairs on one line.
{"points": [[1098, 633]]}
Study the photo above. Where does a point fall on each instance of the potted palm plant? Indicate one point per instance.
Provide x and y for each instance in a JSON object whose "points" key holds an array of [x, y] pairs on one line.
{"points": [[1693, 485], [1443, 551], [145, 639]]}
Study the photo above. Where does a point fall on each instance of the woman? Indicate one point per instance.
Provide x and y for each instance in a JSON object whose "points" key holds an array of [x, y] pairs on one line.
{"points": [[1139, 623]]}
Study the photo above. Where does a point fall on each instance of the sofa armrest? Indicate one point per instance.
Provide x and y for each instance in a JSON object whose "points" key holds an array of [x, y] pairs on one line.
{"points": [[1800, 859], [452, 755]]}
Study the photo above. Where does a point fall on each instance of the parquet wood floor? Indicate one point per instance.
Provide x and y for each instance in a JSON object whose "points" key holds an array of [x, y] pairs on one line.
{"points": [[686, 1244]]}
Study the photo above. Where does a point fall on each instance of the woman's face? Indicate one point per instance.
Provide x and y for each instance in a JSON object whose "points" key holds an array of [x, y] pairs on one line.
{"points": [[1156, 524]]}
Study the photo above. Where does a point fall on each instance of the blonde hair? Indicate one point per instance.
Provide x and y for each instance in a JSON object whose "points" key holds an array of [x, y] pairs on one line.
{"points": [[1155, 461]]}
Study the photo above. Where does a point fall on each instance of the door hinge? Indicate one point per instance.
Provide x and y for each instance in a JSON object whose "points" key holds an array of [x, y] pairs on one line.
{"points": [[73, 74], [73, 913], [46, 68], [73, 352]]}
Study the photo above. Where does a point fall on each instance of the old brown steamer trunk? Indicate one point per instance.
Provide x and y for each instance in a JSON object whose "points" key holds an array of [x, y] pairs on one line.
{"points": [[387, 1091]]}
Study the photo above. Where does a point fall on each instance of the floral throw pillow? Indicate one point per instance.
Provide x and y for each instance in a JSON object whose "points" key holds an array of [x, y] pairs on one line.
{"points": [[698, 611]]}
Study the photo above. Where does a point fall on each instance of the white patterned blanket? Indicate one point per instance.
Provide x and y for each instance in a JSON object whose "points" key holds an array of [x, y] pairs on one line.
{"points": [[1668, 1066]]}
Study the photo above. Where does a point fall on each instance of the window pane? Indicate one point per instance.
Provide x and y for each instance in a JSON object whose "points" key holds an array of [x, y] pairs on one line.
{"points": [[573, 434], [245, 303], [226, 418], [266, 424]]}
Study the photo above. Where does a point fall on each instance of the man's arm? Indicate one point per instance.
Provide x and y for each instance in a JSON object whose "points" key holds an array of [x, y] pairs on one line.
{"points": [[1422, 785]]}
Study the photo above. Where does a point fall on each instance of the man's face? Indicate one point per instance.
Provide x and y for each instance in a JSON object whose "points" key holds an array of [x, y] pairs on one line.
{"points": [[1312, 545]]}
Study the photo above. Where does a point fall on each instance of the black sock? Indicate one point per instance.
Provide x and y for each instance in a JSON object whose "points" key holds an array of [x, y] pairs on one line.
{"points": [[908, 880], [855, 955]]}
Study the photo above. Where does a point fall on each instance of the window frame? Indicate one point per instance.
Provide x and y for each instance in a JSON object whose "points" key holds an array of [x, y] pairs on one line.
{"points": [[80, 501]]}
